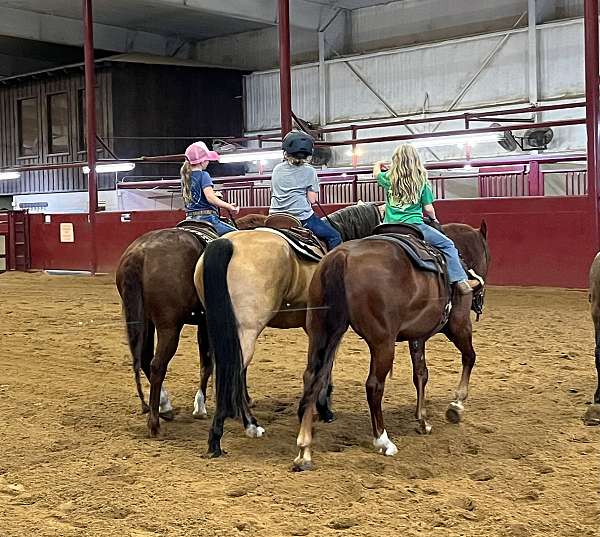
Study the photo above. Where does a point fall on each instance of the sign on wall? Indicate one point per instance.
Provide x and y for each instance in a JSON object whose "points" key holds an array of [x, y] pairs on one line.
{"points": [[66, 232]]}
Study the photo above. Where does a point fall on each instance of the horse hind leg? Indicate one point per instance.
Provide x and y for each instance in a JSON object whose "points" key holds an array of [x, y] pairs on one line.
{"points": [[206, 369], [420, 377], [463, 341], [166, 347], [382, 359], [247, 343]]}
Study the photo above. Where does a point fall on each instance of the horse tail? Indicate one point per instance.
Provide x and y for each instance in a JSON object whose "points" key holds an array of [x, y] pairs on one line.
{"points": [[129, 281], [222, 330], [328, 320]]}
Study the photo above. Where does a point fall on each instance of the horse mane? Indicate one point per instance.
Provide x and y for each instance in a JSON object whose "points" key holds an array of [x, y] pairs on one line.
{"points": [[356, 221]]}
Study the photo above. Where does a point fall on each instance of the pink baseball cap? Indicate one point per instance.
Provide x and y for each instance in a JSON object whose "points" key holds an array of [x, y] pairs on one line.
{"points": [[198, 152]]}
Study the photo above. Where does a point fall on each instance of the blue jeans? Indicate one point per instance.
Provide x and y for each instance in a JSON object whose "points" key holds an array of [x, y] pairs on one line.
{"points": [[323, 231], [455, 271], [220, 227]]}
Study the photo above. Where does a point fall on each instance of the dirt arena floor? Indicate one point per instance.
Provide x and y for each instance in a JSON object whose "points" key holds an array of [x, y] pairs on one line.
{"points": [[75, 459]]}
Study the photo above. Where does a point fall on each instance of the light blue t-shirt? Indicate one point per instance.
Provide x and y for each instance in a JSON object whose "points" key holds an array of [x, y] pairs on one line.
{"points": [[289, 186]]}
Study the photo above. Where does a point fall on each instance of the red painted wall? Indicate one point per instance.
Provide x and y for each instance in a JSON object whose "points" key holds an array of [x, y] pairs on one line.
{"points": [[533, 241]]}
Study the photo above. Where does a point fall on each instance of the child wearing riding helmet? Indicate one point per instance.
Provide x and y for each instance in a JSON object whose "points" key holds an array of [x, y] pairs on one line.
{"points": [[408, 196], [201, 200], [295, 187]]}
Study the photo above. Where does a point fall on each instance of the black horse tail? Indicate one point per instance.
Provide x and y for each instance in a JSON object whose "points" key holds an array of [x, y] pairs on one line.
{"points": [[138, 328], [222, 330], [327, 323]]}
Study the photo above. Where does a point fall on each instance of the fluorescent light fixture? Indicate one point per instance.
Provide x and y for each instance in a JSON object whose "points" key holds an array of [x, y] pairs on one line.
{"points": [[251, 156], [458, 139], [111, 168], [9, 175]]}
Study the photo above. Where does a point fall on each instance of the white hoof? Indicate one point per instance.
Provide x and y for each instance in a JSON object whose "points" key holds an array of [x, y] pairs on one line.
{"points": [[165, 405], [384, 445], [199, 412], [254, 431], [455, 411]]}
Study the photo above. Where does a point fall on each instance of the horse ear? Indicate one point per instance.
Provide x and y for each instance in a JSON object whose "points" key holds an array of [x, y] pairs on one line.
{"points": [[483, 228]]}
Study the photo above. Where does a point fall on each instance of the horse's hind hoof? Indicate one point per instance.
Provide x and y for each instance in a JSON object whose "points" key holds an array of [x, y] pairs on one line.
{"points": [[455, 411], [169, 415], [592, 415], [145, 408], [327, 416], [303, 466]]}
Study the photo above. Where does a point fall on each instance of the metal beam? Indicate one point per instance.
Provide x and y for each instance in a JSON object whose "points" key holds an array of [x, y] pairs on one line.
{"points": [[285, 67], [592, 95], [533, 51], [90, 128], [66, 31]]}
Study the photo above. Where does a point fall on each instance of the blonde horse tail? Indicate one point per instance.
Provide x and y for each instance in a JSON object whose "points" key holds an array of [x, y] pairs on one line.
{"points": [[222, 331]]}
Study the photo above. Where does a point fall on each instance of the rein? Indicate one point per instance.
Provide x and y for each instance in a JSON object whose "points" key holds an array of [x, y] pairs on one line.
{"points": [[325, 214]]}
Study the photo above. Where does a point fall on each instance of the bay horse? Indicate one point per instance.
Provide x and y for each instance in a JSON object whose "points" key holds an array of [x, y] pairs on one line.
{"points": [[155, 279], [248, 280], [592, 415], [372, 286]]}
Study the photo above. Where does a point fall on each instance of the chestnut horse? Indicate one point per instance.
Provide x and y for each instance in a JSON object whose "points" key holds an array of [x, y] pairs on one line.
{"points": [[248, 280], [155, 279], [372, 286]]}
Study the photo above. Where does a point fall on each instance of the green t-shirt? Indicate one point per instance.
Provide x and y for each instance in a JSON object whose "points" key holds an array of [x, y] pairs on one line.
{"points": [[405, 214]]}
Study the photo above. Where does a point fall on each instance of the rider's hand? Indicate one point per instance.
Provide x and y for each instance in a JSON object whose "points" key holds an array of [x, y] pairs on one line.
{"points": [[234, 208]]}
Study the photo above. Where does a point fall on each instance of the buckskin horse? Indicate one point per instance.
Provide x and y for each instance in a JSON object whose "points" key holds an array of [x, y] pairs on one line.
{"points": [[373, 286], [592, 415], [249, 280], [155, 279]]}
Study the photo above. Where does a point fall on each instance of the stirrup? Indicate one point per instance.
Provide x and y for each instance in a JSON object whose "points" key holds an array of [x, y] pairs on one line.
{"points": [[477, 277]]}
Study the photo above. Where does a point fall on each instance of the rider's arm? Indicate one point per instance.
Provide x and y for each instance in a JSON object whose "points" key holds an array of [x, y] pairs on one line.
{"points": [[430, 211], [312, 193], [213, 199]]}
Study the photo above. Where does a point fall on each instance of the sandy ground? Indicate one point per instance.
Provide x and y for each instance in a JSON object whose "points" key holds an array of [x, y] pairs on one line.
{"points": [[75, 459]]}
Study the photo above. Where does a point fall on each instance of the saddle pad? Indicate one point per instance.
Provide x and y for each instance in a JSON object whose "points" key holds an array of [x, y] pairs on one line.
{"points": [[203, 234], [422, 255], [300, 246]]}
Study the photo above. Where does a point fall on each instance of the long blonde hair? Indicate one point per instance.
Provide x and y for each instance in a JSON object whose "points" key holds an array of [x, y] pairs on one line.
{"points": [[186, 181], [407, 175]]}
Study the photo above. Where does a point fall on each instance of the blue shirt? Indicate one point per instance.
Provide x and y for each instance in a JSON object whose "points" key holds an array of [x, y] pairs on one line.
{"points": [[199, 181], [289, 187]]}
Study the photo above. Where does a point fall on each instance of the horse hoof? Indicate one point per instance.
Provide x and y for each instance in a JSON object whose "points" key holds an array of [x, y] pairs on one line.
{"points": [[153, 432], [327, 416], [424, 428], [254, 431], [169, 415], [145, 408], [592, 415], [214, 454], [302, 466], [200, 415], [455, 411]]}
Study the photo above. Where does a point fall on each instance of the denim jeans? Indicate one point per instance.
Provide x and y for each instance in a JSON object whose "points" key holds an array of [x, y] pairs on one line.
{"points": [[220, 227], [323, 231], [455, 271]]}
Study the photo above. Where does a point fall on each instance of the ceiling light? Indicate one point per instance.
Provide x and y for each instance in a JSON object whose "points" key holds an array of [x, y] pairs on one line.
{"points": [[111, 168], [458, 139], [250, 156]]}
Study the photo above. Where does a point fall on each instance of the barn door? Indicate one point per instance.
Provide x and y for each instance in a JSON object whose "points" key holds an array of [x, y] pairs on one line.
{"points": [[14, 241]]}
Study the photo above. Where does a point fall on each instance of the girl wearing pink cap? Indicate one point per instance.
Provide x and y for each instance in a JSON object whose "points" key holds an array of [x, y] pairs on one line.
{"points": [[201, 201]]}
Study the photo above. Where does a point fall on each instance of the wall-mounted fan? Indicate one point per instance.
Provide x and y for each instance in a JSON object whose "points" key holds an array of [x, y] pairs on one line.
{"points": [[532, 139]]}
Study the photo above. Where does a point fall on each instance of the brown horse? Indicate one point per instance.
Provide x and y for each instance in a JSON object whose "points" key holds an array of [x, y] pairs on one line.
{"points": [[592, 415], [249, 280], [155, 279], [372, 286]]}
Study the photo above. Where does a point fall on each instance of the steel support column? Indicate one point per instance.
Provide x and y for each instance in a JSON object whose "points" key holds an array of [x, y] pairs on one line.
{"points": [[592, 95], [285, 73], [90, 114]]}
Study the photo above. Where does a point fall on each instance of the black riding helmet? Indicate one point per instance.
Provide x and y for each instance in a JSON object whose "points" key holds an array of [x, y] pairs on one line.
{"points": [[298, 144]]}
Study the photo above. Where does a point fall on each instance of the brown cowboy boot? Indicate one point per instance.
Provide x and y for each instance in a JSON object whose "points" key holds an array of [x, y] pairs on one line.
{"points": [[465, 287]]}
